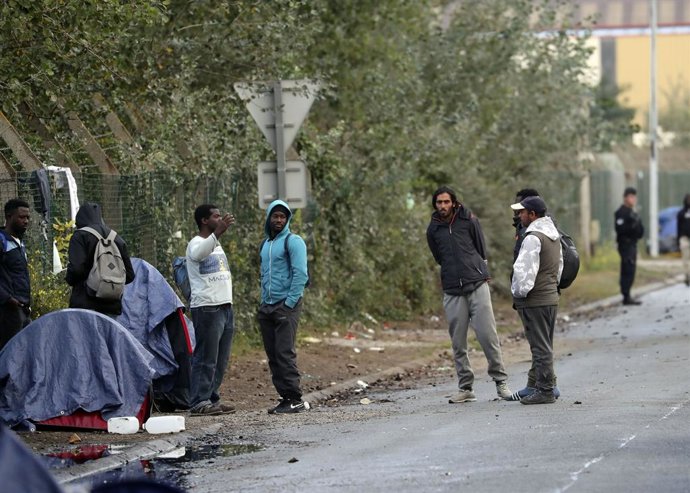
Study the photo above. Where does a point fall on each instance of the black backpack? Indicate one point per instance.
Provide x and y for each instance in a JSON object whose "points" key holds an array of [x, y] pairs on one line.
{"points": [[571, 260]]}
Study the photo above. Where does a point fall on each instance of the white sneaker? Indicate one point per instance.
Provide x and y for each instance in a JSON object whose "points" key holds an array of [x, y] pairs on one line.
{"points": [[462, 396], [503, 391]]}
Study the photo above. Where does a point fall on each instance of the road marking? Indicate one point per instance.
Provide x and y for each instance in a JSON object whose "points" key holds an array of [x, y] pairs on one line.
{"points": [[574, 476]]}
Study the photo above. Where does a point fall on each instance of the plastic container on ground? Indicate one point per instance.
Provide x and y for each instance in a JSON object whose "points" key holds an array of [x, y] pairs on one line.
{"points": [[164, 424], [125, 425]]}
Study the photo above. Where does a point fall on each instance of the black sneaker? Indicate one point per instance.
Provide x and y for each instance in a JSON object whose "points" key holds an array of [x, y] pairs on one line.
{"points": [[290, 406], [283, 403], [539, 397], [631, 301]]}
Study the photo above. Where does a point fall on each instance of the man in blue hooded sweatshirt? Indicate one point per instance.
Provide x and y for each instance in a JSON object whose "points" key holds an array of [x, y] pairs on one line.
{"points": [[283, 278]]}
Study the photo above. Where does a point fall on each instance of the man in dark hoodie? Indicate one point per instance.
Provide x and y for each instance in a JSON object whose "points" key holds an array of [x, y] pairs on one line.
{"points": [[283, 278], [683, 219], [82, 247], [457, 243], [629, 230], [15, 290]]}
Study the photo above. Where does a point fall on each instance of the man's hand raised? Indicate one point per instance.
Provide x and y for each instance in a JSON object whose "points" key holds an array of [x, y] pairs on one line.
{"points": [[226, 221]]}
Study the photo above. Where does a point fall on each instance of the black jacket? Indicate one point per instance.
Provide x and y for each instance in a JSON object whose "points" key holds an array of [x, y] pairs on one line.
{"points": [[683, 219], [14, 270], [82, 247], [629, 226], [459, 248]]}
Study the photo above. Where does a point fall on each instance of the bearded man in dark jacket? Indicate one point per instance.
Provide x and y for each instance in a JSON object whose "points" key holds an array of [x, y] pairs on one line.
{"points": [[457, 243], [82, 247]]}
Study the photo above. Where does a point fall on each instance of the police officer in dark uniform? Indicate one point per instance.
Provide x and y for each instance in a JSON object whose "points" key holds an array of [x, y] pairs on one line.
{"points": [[629, 229]]}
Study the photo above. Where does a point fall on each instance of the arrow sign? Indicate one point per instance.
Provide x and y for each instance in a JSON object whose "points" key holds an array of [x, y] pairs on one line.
{"points": [[296, 98]]}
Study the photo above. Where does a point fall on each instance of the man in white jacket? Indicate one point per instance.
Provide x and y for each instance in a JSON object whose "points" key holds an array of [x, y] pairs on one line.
{"points": [[211, 304], [536, 273]]}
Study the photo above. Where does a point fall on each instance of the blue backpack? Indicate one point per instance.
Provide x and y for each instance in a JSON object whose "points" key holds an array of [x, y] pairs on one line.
{"points": [[181, 277]]}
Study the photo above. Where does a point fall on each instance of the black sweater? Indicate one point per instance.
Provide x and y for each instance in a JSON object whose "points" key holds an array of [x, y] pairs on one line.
{"points": [[458, 247]]}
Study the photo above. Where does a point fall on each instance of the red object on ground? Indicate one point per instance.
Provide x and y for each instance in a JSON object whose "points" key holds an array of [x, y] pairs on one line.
{"points": [[91, 420]]}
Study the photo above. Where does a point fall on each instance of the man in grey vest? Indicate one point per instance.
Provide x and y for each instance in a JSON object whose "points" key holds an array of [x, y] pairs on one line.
{"points": [[536, 273]]}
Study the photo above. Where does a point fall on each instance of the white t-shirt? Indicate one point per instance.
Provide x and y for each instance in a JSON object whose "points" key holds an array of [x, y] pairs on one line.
{"points": [[209, 272]]}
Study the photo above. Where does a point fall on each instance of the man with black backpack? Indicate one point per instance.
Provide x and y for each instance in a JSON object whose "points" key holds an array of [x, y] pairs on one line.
{"points": [[98, 264], [520, 232], [536, 274], [284, 276]]}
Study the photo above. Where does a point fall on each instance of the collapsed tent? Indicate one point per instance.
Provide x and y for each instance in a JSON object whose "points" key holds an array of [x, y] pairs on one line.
{"points": [[70, 360], [154, 314]]}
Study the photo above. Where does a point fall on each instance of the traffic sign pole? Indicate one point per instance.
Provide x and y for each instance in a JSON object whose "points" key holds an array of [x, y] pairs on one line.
{"points": [[280, 138]]}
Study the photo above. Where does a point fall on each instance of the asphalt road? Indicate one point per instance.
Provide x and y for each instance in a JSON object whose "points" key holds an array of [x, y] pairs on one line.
{"points": [[622, 424]]}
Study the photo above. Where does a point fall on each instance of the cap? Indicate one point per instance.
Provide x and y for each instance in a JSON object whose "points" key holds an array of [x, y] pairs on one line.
{"points": [[535, 204], [629, 191]]}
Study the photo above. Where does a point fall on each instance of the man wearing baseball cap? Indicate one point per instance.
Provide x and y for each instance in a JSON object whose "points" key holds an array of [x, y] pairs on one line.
{"points": [[536, 273]]}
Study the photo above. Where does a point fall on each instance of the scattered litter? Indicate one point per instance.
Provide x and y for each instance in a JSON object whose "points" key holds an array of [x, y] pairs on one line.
{"points": [[74, 438], [577, 402], [376, 349], [366, 401], [443, 368], [333, 383], [312, 340], [164, 424], [351, 365], [371, 319], [434, 319], [566, 318], [362, 384], [293, 460], [356, 350], [307, 406], [125, 425], [335, 334], [371, 331], [349, 336]]}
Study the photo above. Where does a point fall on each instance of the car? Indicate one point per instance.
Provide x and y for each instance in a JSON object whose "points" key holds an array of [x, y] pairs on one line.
{"points": [[668, 229]]}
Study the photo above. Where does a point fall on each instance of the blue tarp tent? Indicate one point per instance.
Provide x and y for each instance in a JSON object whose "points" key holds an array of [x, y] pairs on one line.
{"points": [[73, 359]]}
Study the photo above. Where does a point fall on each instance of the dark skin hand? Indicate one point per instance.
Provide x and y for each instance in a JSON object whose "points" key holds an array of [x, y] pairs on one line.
{"points": [[223, 224]]}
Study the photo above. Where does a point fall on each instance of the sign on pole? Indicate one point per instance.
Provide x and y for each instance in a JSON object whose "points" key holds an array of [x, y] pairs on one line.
{"points": [[279, 108], [295, 183]]}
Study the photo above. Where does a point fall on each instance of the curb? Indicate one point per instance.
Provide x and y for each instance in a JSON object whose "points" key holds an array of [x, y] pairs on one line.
{"points": [[616, 299], [142, 451], [325, 394]]}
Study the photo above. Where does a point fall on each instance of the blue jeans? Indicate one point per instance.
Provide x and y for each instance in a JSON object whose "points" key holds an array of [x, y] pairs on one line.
{"points": [[213, 327]]}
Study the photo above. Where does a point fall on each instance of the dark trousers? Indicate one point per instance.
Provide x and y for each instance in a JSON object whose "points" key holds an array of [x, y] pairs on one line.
{"points": [[628, 253], [539, 323], [213, 330], [14, 319], [278, 325]]}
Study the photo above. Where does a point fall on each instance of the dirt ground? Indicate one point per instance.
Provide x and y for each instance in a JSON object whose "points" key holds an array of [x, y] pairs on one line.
{"points": [[325, 360]]}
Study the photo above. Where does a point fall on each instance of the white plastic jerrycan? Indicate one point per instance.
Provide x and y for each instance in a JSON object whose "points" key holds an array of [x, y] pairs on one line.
{"points": [[164, 424], [125, 425]]}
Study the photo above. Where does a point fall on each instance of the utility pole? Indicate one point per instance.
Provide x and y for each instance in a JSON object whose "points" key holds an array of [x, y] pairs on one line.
{"points": [[653, 124]]}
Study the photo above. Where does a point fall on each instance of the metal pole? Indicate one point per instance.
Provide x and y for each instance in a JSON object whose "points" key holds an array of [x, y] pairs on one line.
{"points": [[280, 139], [653, 169]]}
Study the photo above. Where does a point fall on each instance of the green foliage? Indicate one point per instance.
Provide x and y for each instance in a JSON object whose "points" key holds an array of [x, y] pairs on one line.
{"points": [[415, 94], [49, 292], [615, 123], [675, 115]]}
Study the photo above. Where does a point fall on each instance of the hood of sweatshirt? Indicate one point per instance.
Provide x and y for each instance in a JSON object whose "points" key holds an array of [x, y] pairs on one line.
{"points": [[90, 215], [545, 226], [267, 224]]}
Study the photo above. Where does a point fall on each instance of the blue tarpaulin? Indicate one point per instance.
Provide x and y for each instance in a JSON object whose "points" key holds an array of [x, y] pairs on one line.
{"points": [[71, 359], [146, 303]]}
